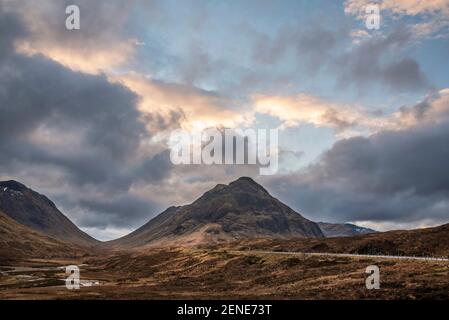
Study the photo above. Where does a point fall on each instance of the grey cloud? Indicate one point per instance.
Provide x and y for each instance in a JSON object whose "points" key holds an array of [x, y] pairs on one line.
{"points": [[340, 123], [107, 112], [423, 111], [199, 66], [10, 29], [102, 22], [312, 46], [418, 111], [104, 116], [317, 46], [374, 61], [388, 177], [405, 75], [270, 50], [39, 94], [126, 211], [365, 65], [155, 169]]}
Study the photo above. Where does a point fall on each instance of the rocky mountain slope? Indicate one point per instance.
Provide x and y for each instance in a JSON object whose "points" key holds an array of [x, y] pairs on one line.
{"points": [[18, 241], [242, 209], [38, 213]]}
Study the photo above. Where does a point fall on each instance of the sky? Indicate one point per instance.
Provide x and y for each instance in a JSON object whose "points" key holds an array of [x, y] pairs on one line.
{"points": [[363, 114]]}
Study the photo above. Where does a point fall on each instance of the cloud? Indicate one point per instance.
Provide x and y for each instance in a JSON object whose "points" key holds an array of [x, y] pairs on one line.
{"points": [[312, 45], [127, 211], [433, 109], [79, 125], [198, 109], [354, 58], [76, 134], [100, 44], [401, 7], [198, 66], [95, 142], [351, 120], [404, 75], [99, 117], [436, 13], [303, 108], [381, 61], [390, 177]]}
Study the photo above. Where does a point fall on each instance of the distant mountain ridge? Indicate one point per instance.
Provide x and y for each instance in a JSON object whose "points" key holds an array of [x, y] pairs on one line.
{"points": [[39, 213], [331, 230], [242, 209]]}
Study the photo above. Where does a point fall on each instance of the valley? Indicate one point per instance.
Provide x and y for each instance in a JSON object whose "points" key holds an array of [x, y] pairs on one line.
{"points": [[234, 242], [193, 273]]}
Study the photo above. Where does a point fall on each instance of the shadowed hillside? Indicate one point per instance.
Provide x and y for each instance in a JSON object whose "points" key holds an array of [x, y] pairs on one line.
{"points": [[37, 212], [242, 209], [19, 242]]}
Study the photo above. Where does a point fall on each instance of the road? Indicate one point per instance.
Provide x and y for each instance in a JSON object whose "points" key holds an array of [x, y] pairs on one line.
{"points": [[348, 255]]}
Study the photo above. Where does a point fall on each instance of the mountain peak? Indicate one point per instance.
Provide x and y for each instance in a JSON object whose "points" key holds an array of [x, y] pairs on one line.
{"points": [[243, 187], [241, 209], [12, 185], [247, 185], [245, 180]]}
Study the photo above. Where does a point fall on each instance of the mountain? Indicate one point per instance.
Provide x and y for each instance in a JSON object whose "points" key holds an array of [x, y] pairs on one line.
{"points": [[242, 209], [18, 241], [38, 213], [331, 230]]}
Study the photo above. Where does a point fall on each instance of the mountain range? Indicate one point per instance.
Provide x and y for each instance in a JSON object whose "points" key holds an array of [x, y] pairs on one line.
{"points": [[240, 212], [242, 209]]}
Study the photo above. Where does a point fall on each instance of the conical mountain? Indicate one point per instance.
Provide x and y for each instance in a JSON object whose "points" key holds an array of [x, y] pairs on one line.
{"points": [[242, 209]]}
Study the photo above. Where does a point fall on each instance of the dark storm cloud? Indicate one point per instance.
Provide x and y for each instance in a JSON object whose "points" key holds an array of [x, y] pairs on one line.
{"points": [[390, 176], [10, 29], [126, 211], [37, 91], [37, 94], [154, 169]]}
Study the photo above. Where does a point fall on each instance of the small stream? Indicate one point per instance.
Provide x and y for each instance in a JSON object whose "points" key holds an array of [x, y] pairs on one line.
{"points": [[39, 276]]}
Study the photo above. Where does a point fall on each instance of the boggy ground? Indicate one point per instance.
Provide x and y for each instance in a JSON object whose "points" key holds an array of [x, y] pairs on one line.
{"points": [[174, 273]]}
